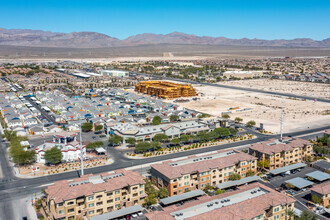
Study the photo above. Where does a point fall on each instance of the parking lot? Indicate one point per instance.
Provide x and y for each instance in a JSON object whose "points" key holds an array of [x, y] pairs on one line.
{"points": [[278, 180]]}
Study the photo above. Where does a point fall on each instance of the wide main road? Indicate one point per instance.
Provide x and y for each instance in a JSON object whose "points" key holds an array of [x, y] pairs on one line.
{"points": [[241, 88], [36, 182]]}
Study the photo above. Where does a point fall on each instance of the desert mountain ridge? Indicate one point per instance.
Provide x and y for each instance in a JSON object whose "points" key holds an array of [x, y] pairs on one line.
{"points": [[85, 39]]}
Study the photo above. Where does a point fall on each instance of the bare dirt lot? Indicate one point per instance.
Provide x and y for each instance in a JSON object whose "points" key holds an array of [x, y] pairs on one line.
{"points": [[317, 90], [262, 108]]}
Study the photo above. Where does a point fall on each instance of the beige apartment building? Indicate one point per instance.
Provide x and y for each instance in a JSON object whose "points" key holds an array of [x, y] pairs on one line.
{"points": [[93, 195], [249, 202], [323, 192], [196, 172], [280, 154]]}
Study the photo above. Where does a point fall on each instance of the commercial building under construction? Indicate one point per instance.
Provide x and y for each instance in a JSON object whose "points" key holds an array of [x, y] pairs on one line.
{"points": [[166, 90]]}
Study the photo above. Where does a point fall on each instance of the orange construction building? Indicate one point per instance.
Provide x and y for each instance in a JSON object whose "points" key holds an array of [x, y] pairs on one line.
{"points": [[166, 90]]}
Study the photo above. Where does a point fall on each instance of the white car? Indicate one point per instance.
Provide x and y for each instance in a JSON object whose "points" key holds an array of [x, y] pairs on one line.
{"points": [[134, 215], [140, 214]]}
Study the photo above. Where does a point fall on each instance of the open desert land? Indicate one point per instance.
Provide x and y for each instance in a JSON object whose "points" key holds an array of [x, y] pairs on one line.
{"points": [[263, 108], [317, 90]]}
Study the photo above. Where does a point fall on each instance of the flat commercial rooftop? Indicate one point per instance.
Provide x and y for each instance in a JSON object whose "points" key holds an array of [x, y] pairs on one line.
{"points": [[318, 175], [287, 168], [237, 182], [299, 182], [118, 213], [184, 196], [218, 203]]}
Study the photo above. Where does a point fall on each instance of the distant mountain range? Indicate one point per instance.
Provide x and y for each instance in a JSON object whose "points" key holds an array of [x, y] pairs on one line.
{"points": [[37, 38]]}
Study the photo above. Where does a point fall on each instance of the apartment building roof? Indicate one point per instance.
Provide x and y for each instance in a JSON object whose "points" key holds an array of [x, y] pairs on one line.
{"points": [[90, 184], [274, 146], [245, 203], [323, 188], [221, 159]]}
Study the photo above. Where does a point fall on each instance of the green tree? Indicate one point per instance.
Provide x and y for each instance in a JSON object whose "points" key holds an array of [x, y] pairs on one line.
{"points": [[86, 127], [250, 124], [54, 155], [9, 135], [150, 188], [316, 199], [235, 176], [156, 120], [131, 141], [98, 127], [289, 185], [184, 138], [250, 173], [154, 145], [238, 119], [263, 164], [208, 188], [232, 131], [115, 139], [225, 116], [306, 215], [221, 132], [204, 136], [142, 147], [290, 213], [175, 141], [162, 193], [219, 191], [324, 140], [21, 156], [150, 200], [160, 137], [174, 118], [94, 145]]}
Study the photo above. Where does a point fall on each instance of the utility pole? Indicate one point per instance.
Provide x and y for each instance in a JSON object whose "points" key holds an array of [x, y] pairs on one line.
{"points": [[281, 131], [81, 153]]}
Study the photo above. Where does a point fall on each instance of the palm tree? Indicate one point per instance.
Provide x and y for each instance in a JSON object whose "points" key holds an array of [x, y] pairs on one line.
{"points": [[289, 213]]}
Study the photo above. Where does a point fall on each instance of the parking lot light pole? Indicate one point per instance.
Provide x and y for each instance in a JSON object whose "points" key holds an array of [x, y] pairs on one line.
{"points": [[81, 153]]}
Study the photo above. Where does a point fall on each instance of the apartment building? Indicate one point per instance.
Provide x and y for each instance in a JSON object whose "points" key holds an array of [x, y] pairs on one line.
{"points": [[322, 191], [196, 172], [249, 202], [282, 153], [93, 195], [166, 90]]}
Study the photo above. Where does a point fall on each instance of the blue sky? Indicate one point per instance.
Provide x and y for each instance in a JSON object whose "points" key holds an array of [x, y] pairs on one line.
{"points": [[263, 19]]}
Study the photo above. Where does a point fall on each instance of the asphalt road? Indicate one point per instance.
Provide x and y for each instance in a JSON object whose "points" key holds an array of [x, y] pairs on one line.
{"points": [[43, 112]]}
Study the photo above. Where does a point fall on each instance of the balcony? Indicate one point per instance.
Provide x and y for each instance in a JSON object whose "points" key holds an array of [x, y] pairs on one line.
{"points": [[80, 200]]}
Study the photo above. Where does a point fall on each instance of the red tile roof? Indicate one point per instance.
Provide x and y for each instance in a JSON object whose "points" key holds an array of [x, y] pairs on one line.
{"points": [[61, 190], [265, 147], [323, 188], [243, 210], [201, 166]]}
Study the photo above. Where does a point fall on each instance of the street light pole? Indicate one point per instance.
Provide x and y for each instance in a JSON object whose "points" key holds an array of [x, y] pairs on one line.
{"points": [[281, 119], [81, 153]]}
